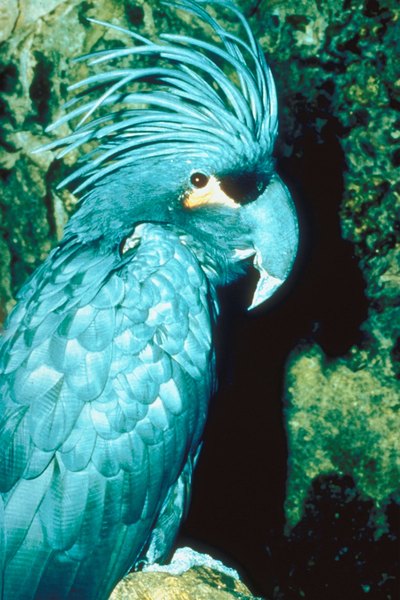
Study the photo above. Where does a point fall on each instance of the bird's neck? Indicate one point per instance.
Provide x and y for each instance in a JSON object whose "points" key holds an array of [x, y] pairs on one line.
{"points": [[212, 257]]}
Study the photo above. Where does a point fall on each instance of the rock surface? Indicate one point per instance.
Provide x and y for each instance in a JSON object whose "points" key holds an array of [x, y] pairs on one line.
{"points": [[200, 583], [343, 391]]}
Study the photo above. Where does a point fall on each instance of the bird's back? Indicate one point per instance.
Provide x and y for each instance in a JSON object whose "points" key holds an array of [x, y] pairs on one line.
{"points": [[106, 371]]}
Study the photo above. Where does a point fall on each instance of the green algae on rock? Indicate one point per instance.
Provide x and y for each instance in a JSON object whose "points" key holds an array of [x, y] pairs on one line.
{"points": [[342, 418]]}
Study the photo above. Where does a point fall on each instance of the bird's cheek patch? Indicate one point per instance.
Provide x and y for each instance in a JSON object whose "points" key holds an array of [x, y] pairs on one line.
{"points": [[209, 195]]}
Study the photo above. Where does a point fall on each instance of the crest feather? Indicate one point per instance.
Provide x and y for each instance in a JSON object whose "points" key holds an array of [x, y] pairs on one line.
{"points": [[187, 105]]}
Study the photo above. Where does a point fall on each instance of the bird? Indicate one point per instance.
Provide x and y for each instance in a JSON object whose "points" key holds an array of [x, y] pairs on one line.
{"points": [[107, 360]]}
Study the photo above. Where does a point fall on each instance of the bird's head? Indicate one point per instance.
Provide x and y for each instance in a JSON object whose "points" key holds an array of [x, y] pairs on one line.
{"points": [[186, 143]]}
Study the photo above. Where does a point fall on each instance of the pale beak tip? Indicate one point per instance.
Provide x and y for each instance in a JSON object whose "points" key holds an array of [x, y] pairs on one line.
{"points": [[266, 287]]}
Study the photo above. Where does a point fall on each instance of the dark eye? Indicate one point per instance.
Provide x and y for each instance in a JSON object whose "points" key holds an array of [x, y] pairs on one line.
{"points": [[199, 180]]}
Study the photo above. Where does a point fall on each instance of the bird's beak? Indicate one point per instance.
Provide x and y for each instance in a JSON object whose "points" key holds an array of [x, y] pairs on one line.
{"points": [[273, 222]]}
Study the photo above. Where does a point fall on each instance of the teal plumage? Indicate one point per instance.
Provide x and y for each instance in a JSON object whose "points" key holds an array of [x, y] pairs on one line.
{"points": [[107, 361], [104, 360]]}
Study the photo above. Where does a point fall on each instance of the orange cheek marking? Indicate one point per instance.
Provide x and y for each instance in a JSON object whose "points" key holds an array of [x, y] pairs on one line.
{"points": [[194, 199], [210, 195]]}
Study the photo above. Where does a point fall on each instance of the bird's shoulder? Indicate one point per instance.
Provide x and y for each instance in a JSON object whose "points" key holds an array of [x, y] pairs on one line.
{"points": [[105, 353]]}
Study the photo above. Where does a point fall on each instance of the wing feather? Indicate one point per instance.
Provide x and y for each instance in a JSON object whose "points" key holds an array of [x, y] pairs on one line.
{"points": [[90, 379], [15, 446], [134, 492], [63, 507], [100, 332], [21, 507], [53, 415], [77, 450], [37, 462], [108, 408], [104, 459], [91, 518], [25, 569]]}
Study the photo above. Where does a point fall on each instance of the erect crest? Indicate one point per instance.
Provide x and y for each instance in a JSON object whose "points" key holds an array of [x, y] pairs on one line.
{"points": [[187, 105]]}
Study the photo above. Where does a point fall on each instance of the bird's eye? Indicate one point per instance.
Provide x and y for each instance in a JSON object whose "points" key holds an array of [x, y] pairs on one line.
{"points": [[199, 180]]}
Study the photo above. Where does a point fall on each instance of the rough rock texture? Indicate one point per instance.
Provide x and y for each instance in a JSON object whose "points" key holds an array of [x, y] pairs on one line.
{"points": [[336, 68], [342, 414], [346, 422], [201, 583], [190, 574]]}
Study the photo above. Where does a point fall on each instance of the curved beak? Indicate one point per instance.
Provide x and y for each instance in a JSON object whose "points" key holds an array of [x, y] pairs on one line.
{"points": [[274, 228]]}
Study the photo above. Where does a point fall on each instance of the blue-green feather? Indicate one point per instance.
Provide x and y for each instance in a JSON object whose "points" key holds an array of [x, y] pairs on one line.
{"points": [[102, 415], [191, 89]]}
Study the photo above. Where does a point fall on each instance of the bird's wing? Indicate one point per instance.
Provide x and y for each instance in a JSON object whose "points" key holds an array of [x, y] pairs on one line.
{"points": [[175, 506], [105, 381]]}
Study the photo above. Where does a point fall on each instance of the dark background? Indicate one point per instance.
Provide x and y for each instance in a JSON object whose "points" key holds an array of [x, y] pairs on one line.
{"points": [[239, 486]]}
